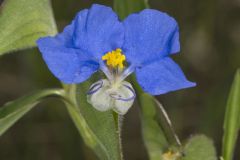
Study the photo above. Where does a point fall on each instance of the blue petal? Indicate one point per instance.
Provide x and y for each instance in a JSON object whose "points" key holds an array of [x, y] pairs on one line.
{"points": [[98, 31], [150, 35], [161, 77], [67, 64]]}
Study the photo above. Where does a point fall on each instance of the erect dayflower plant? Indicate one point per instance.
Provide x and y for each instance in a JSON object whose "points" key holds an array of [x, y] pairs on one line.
{"points": [[97, 40]]}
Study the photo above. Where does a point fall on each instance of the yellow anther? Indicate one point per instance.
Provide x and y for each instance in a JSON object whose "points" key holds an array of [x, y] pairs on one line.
{"points": [[114, 58]]}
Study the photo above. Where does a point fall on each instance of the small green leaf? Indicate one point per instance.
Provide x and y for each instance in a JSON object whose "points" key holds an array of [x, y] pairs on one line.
{"points": [[126, 7], [199, 148], [232, 119], [22, 22], [99, 129], [13, 111]]}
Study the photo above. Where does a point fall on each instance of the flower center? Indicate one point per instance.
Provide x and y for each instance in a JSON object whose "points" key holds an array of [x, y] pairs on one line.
{"points": [[114, 59], [113, 92], [114, 66]]}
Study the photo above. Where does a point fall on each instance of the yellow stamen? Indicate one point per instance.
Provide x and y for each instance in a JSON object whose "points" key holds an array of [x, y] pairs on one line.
{"points": [[114, 58]]}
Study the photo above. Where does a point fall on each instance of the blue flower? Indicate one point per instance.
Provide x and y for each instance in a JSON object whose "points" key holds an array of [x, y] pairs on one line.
{"points": [[97, 40]]}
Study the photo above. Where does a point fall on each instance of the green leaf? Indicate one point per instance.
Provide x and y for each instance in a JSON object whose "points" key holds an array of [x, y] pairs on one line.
{"points": [[199, 148], [153, 135], [232, 119], [99, 129], [22, 22], [13, 111], [158, 132], [126, 7]]}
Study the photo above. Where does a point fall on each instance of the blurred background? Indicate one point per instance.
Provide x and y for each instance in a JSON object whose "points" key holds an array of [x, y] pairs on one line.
{"points": [[210, 55]]}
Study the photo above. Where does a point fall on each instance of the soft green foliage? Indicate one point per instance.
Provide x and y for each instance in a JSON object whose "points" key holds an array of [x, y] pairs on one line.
{"points": [[199, 148], [153, 136], [125, 7], [232, 119], [13, 111], [22, 22], [99, 129]]}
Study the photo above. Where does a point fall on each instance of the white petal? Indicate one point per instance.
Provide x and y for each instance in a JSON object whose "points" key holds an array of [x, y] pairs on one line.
{"points": [[100, 100], [121, 106], [104, 96]]}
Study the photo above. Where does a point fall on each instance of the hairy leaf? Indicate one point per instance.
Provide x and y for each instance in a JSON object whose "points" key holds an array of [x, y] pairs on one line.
{"points": [[22, 22], [199, 148], [153, 135]]}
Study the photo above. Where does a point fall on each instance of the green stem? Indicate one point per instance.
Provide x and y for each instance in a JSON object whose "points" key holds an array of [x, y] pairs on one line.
{"points": [[119, 121]]}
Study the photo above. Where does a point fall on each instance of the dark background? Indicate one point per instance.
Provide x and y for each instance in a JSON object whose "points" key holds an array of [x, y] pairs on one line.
{"points": [[210, 55]]}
